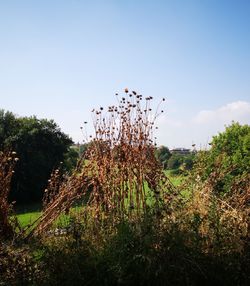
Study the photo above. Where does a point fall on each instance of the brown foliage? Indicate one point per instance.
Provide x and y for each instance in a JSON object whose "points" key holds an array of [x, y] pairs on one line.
{"points": [[7, 163], [116, 168]]}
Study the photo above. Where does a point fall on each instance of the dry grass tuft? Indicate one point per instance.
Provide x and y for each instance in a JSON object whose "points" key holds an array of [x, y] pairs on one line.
{"points": [[7, 163]]}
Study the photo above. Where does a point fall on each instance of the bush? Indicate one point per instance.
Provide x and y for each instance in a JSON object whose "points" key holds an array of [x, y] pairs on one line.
{"points": [[228, 158]]}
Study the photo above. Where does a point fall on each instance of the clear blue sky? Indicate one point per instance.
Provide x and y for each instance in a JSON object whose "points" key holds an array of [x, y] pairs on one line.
{"points": [[59, 59]]}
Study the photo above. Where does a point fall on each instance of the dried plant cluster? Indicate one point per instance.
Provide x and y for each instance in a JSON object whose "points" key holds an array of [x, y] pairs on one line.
{"points": [[121, 160], [119, 172], [221, 222], [61, 193], [7, 163]]}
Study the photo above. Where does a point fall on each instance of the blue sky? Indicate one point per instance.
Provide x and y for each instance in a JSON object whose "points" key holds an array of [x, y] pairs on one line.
{"points": [[59, 59]]}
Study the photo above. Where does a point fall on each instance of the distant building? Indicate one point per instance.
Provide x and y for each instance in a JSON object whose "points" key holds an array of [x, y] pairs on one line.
{"points": [[180, 151]]}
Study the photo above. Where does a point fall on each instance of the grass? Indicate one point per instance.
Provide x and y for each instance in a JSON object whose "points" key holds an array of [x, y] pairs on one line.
{"points": [[33, 212], [176, 180], [27, 218], [27, 214]]}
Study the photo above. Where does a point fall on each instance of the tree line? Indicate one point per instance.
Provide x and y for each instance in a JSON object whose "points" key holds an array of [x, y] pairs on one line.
{"points": [[40, 146]]}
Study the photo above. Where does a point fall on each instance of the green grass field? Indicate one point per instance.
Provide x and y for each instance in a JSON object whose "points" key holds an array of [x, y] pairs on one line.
{"points": [[27, 218], [175, 179]]}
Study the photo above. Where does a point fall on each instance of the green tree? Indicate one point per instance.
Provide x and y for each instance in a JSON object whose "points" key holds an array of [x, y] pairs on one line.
{"points": [[188, 161], [70, 159], [163, 154], [234, 143], [40, 146], [175, 161], [229, 154]]}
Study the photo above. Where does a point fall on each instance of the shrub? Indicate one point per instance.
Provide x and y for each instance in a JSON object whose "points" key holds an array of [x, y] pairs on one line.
{"points": [[228, 158]]}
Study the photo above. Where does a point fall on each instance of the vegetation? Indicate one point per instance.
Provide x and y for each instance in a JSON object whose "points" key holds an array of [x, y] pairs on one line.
{"points": [[230, 154], [7, 161], [118, 220], [163, 154], [40, 145]]}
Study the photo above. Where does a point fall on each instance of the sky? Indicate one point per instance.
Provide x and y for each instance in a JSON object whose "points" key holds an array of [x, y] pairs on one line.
{"points": [[61, 58]]}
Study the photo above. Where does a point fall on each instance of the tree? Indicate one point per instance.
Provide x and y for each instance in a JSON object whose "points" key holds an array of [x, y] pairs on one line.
{"points": [[40, 146], [234, 143], [188, 161], [70, 159], [230, 155], [175, 161], [163, 154]]}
